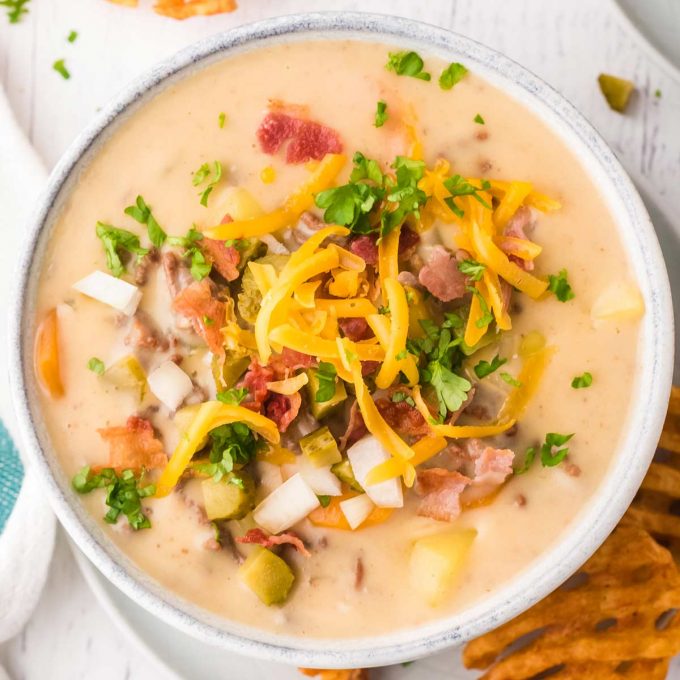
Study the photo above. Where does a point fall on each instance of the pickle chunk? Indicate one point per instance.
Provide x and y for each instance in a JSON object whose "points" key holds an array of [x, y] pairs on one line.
{"points": [[232, 497], [616, 91], [321, 448], [343, 471], [437, 562], [321, 409], [268, 576]]}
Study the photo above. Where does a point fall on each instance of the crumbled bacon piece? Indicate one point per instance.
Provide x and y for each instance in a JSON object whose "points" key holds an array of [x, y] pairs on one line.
{"points": [[259, 537], [517, 227], [408, 242], [283, 409], [492, 465], [441, 490], [368, 367], [143, 333], [402, 417], [442, 277], [306, 139], [223, 258], [365, 247], [355, 328], [289, 361], [207, 313], [255, 381], [134, 446], [356, 428]]}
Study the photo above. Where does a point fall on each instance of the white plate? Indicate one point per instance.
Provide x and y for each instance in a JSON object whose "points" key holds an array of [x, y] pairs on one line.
{"points": [[658, 22]]}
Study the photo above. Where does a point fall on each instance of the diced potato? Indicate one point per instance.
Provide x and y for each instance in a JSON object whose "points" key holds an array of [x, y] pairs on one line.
{"points": [[621, 301], [437, 562], [268, 576], [321, 448], [321, 409], [229, 500]]}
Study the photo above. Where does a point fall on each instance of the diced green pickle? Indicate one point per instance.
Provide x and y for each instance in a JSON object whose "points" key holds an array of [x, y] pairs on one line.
{"points": [[268, 576], [227, 500], [249, 249], [249, 298], [321, 409], [228, 369], [343, 471], [321, 448], [616, 91], [128, 373]]}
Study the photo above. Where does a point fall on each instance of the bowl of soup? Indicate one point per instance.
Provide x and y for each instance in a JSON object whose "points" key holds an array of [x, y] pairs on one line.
{"points": [[339, 339]]}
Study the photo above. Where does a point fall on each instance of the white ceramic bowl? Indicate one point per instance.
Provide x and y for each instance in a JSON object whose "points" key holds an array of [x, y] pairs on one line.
{"points": [[587, 531]]}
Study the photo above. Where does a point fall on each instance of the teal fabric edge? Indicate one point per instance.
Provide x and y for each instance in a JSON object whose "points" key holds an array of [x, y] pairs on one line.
{"points": [[11, 475]]}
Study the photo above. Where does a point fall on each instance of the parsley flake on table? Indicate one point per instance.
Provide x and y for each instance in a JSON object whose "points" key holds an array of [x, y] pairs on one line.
{"points": [[124, 494], [479, 120], [484, 368], [72, 36], [581, 381], [451, 75], [325, 376], [407, 64], [141, 212], [115, 241], [15, 9], [472, 268], [222, 119], [60, 67], [96, 366], [211, 175], [380, 114], [559, 285]]}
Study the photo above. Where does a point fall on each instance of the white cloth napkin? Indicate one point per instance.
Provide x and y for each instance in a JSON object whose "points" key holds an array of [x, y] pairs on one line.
{"points": [[27, 539]]}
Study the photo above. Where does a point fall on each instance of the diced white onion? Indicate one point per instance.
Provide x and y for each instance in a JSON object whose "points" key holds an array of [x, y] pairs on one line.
{"points": [[273, 244], [363, 456], [286, 506], [357, 509], [117, 293], [320, 479], [170, 384]]}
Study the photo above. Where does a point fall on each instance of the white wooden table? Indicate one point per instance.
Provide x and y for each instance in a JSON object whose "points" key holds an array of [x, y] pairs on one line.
{"points": [[566, 43]]}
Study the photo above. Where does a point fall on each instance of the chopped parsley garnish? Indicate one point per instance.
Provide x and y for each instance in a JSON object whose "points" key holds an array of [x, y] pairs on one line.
{"points": [[657, 93], [451, 75], [581, 381], [484, 368], [230, 445], [222, 119], [141, 212], [398, 397], [479, 120], [551, 454], [441, 350], [324, 501], [508, 378], [458, 186], [354, 204], [559, 285], [472, 268], [211, 175], [401, 355], [96, 366], [72, 36], [208, 321], [384, 309], [325, 376], [15, 9], [60, 67], [115, 241], [124, 494], [233, 396], [407, 64], [487, 316], [200, 267], [380, 114]]}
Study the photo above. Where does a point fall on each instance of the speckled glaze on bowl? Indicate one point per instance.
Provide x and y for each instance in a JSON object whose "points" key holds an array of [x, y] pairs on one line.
{"points": [[587, 531]]}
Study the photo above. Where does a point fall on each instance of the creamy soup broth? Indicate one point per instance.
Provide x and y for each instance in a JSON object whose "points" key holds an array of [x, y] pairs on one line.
{"points": [[155, 151]]}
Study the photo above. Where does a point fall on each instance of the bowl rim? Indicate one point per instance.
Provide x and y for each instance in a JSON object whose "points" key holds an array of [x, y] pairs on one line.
{"points": [[575, 544]]}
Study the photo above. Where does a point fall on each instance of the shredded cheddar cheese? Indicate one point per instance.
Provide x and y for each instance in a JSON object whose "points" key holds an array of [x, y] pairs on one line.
{"points": [[395, 297]]}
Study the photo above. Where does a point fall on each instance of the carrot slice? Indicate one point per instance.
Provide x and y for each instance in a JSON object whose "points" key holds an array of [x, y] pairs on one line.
{"points": [[46, 355]]}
